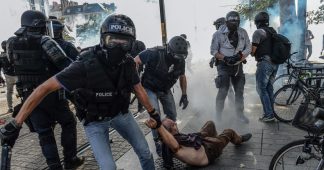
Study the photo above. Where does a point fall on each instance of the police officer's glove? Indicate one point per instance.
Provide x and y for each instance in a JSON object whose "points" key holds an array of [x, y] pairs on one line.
{"points": [[184, 101], [212, 62], [156, 116], [9, 133]]}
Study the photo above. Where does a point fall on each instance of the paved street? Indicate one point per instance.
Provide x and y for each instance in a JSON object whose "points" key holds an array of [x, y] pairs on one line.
{"points": [[256, 154]]}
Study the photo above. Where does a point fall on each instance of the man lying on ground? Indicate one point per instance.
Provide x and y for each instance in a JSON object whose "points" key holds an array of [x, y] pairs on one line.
{"points": [[196, 149]]}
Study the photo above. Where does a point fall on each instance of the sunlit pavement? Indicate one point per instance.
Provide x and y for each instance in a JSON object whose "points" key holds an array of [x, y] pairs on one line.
{"points": [[255, 154]]}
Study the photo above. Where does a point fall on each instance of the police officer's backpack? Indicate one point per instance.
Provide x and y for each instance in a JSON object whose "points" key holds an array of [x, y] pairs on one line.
{"points": [[281, 47]]}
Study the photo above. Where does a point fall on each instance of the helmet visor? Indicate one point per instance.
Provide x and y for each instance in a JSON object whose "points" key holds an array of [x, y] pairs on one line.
{"points": [[112, 41], [180, 56]]}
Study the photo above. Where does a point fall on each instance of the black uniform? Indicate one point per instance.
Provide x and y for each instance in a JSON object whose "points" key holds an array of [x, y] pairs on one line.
{"points": [[69, 49], [35, 59]]}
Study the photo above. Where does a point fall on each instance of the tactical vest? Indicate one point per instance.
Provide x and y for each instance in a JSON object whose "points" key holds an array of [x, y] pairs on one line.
{"points": [[158, 76], [102, 97], [264, 47], [29, 61]]}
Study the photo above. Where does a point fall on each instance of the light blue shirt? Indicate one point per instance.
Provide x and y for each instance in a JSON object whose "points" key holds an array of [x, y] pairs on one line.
{"points": [[220, 42]]}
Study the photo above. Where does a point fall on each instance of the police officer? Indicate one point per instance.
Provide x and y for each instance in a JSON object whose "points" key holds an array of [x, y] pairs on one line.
{"points": [[69, 49], [163, 67], [9, 73], [138, 47], [266, 69], [37, 57], [102, 80], [230, 45]]}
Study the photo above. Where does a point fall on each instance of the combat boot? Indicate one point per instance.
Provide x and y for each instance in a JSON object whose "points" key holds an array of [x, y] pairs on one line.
{"points": [[73, 163]]}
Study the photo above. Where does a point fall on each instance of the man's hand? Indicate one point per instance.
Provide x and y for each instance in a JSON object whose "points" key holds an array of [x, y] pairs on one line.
{"points": [[184, 101], [9, 133], [156, 116], [212, 62], [231, 60], [151, 123]]}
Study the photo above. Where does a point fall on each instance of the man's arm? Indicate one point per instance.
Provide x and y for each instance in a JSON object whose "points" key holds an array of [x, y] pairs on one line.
{"points": [[183, 84], [142, 97], [35, 98], [187, 155], [247, 49], [254, 48], [214, 47]]}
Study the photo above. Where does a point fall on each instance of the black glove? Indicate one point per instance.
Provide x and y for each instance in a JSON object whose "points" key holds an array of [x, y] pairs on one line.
{"points": [[212, 62], [156, 116], [184, 101], [9, 133]]}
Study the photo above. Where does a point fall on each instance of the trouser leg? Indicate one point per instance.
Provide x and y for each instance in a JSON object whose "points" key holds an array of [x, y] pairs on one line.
{"points": [[238, 84], [222, 82], [10, 81], [42, 122], [209, 129], [168, 104], [66, 119]]}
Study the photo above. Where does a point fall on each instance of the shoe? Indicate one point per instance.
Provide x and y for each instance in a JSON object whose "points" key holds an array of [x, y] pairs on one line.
{"points": [[267, 119], [158, 148], [244, 119], [73, 163], [246, 137]]}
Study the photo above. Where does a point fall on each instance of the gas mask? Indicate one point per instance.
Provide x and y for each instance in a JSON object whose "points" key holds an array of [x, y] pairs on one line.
{"points": [[232, 23], [116, 47]]}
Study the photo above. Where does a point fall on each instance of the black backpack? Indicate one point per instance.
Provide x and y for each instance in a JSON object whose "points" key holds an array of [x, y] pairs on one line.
{"points": [[281, 47]]}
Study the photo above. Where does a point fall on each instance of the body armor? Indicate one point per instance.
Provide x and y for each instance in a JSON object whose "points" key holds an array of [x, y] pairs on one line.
{"points": [[103, 96], [158, 75]]}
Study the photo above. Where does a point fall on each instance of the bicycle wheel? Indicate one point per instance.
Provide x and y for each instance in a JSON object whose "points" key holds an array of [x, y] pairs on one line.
{"points": [[282, 80], [286, 102], [298, 155]]}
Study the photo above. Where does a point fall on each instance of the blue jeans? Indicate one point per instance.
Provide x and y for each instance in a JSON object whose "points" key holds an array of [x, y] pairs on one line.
{"points": [[168, 104], [125, 124], [265, 75]]}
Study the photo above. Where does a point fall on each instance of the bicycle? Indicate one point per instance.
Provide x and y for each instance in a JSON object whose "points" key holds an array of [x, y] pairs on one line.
{"points": [[306, 153], [288, 97]]}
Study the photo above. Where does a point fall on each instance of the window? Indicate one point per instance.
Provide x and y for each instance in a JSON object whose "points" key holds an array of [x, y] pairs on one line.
{"points": [[68, 11], [79, 9]]}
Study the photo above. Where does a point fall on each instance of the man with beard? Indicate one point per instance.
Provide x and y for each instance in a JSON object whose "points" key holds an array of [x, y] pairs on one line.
{"points": [[231, 45], [102, 80]]}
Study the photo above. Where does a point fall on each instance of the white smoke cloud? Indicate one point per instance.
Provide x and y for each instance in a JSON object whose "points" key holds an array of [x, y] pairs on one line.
{"points": [[10, 17]]}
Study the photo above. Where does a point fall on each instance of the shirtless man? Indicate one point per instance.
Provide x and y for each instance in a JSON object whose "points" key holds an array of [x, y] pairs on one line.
{"points": [[196, 149]]}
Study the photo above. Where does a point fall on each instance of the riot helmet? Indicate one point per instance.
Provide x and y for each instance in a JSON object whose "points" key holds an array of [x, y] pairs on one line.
{"points": [[261, 19], [178, 48], [219, 22], [32, 18], [184, 36], [117, 30], [117, 36], [3, 45], [58, 28], [232, 20]]}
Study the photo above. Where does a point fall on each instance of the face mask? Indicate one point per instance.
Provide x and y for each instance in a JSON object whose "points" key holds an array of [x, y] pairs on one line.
{"points": [[115, 56], [232, 25]]}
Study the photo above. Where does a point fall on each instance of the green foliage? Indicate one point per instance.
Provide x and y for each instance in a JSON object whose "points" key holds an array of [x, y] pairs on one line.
{"points": [[316, 16], [248, 10]]}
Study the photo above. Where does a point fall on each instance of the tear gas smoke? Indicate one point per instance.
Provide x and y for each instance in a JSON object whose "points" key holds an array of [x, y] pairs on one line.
{"points": [[10, 17]]}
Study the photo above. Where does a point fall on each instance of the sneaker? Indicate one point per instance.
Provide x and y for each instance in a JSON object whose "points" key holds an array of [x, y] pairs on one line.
{"points": [[244, 119], [267, 119], [73, 163], [246, 137]]}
